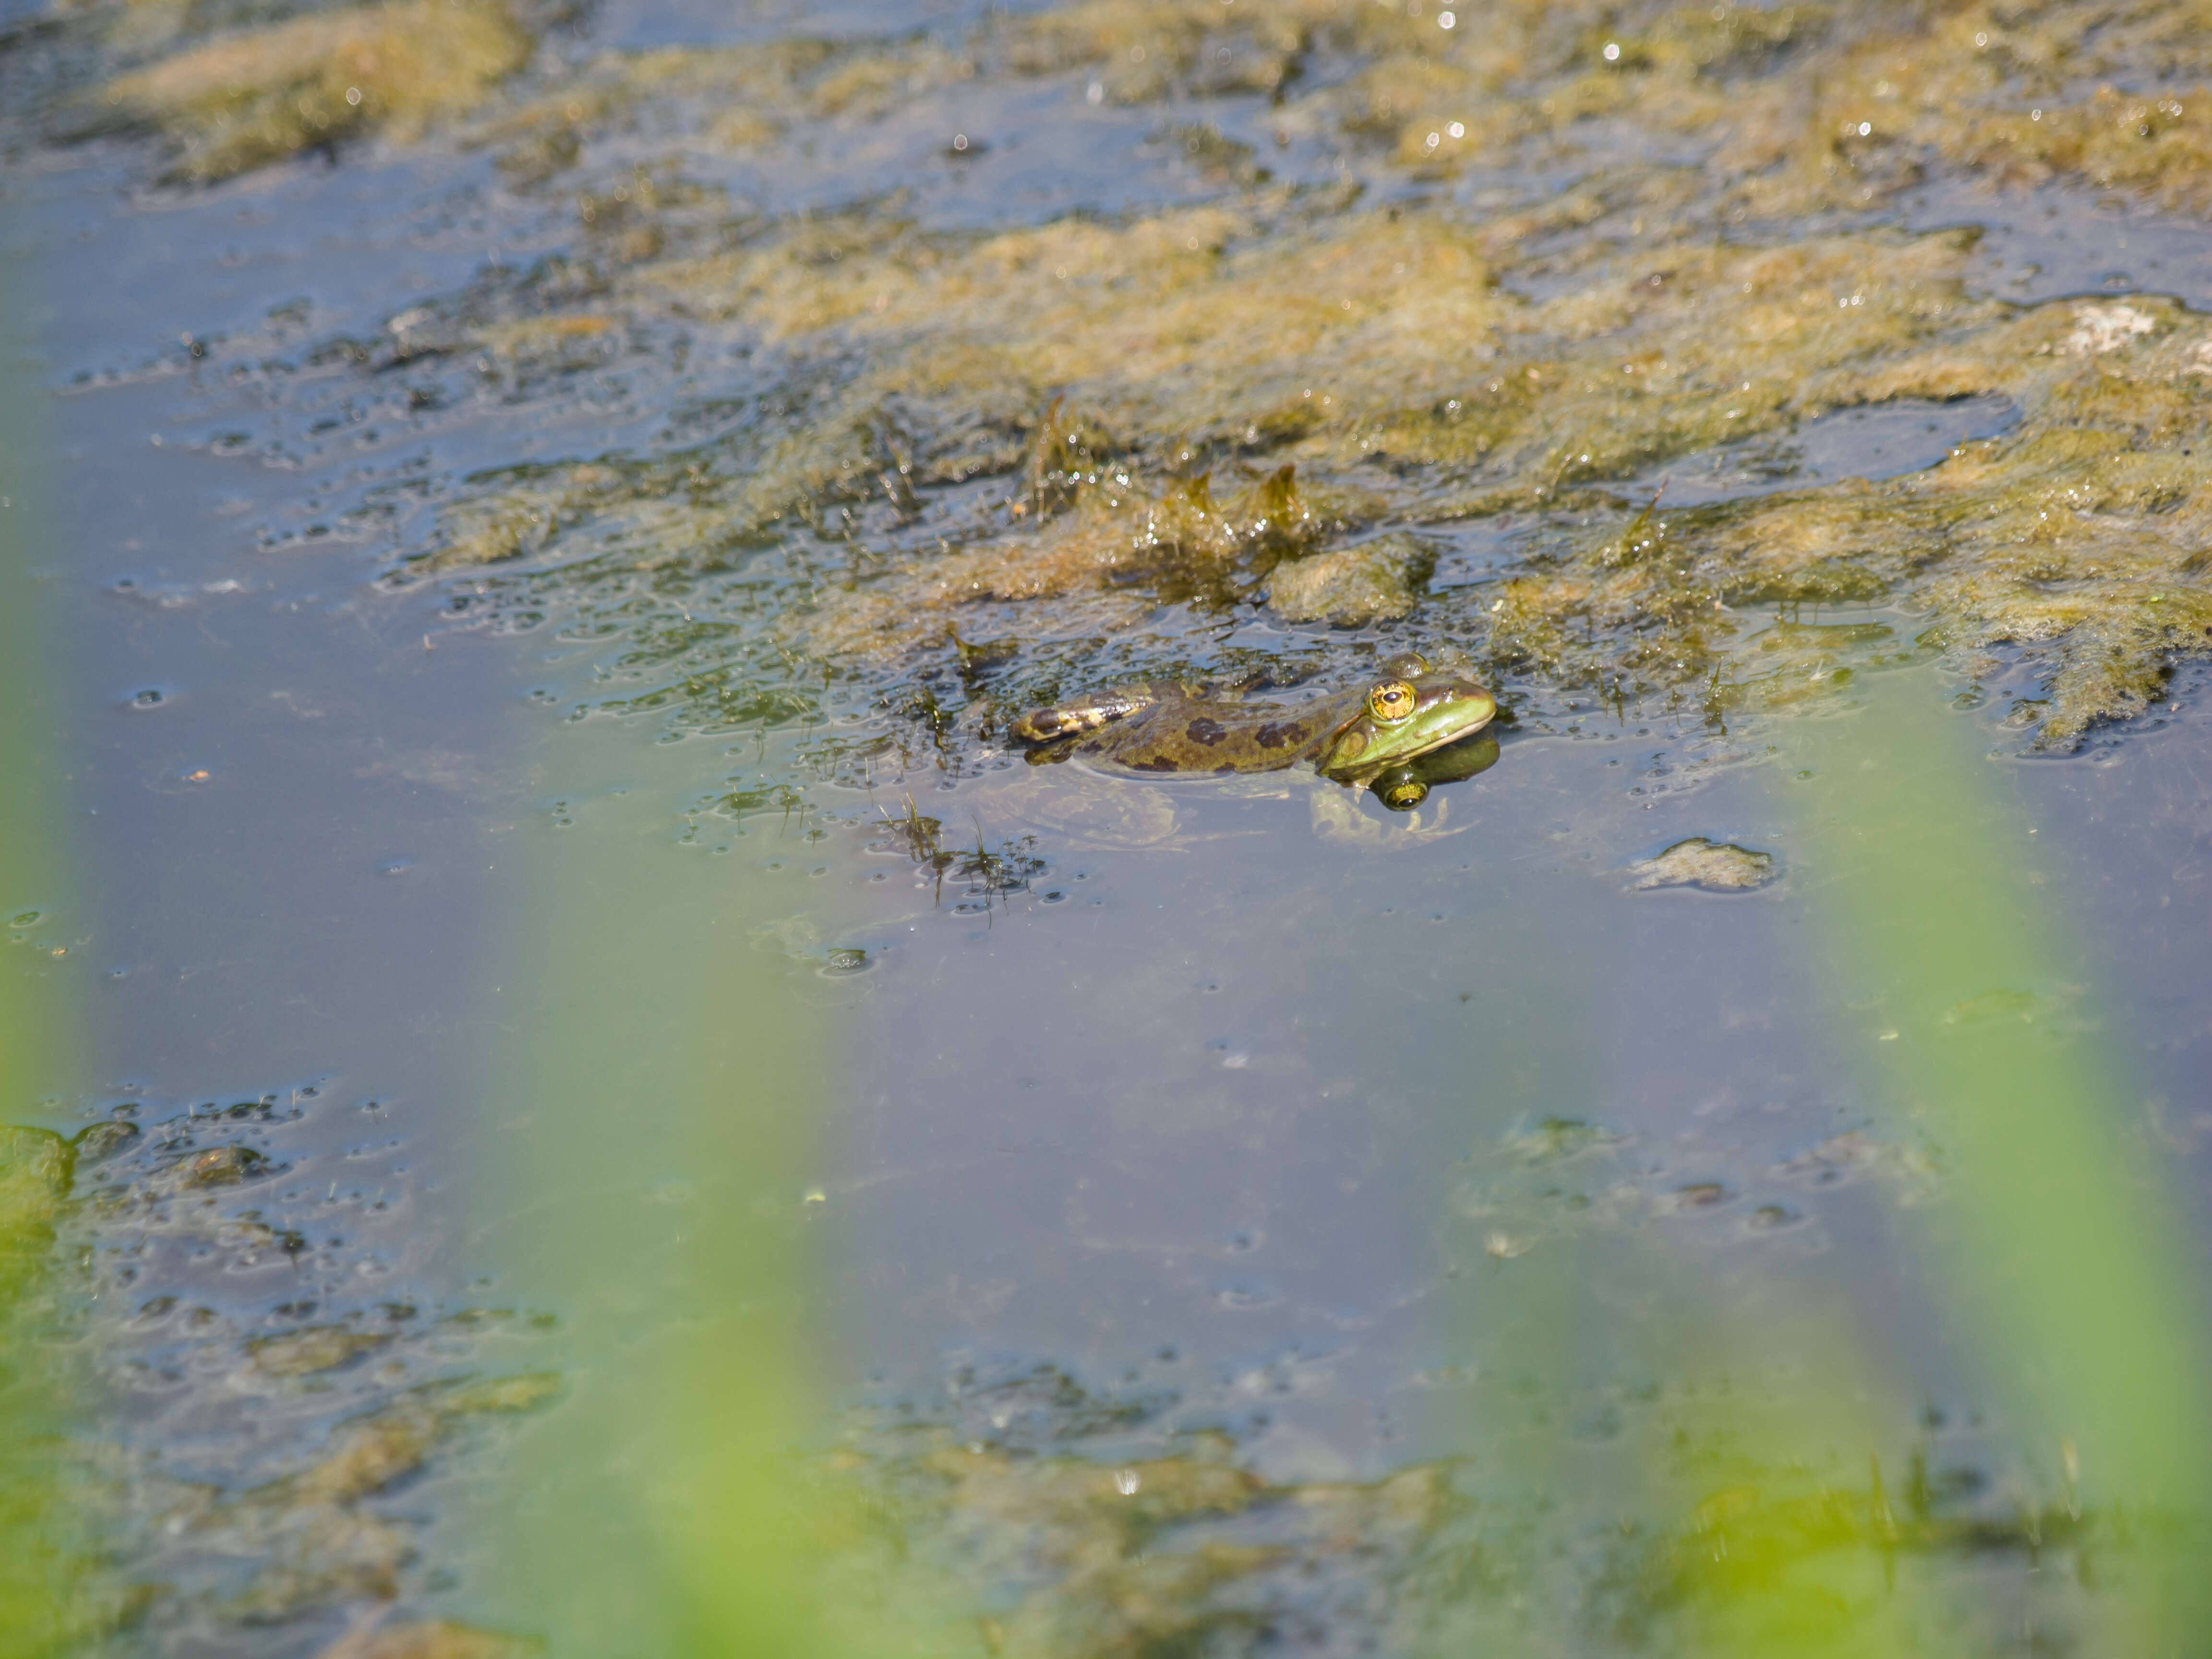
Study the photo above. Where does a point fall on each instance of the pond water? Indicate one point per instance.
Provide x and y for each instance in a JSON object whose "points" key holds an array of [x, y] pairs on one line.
{"points": [[614, 1109]]}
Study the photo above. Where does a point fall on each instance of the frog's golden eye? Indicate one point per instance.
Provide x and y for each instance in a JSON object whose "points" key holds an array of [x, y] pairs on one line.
{"points": [[1391, 701]]}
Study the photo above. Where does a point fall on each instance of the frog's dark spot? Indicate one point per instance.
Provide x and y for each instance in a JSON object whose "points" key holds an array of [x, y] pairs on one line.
{"points": [[1225, 766], [1205, 731], [1280, 735], [1157, 763]]}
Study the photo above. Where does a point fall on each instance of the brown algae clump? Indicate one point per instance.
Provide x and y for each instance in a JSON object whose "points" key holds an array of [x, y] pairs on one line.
{"points": [[1716, 867], [1353, 584], [248, 98]]}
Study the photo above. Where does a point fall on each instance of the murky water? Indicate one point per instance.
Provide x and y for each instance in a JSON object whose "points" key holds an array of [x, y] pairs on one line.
{"points": [[596, 1015]]}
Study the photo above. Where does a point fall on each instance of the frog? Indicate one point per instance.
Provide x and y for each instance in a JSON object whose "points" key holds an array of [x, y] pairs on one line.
{"points": [[1354, 737]]}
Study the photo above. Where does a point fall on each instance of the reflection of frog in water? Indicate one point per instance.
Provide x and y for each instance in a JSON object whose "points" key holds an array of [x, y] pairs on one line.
{"points": [[1403, 788], [1356, 737]]}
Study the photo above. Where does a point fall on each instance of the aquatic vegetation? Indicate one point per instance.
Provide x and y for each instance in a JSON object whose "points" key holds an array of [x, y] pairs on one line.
{"points": [[1400, 361], [1183, 347], [1353, 584], [245, 99], [46, 1600], [1069, 1547], [1717, 866], [988, 874], [204, 1556]]}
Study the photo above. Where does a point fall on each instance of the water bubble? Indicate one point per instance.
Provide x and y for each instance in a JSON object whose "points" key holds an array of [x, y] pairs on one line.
{"points": [[149, 698]]}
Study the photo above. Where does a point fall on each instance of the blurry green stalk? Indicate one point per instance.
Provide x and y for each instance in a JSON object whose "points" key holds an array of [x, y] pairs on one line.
{"points": [[1774, 1508], [2059, 1258], [660, 1097], [41, 1580], [2050, 1268]]}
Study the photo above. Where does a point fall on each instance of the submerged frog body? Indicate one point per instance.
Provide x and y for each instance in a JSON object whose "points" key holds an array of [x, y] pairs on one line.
{"points": [[1354, 736]]}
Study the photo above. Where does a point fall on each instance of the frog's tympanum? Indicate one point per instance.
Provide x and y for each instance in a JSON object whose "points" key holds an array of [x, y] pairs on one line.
{"points": [[1354, 737]]}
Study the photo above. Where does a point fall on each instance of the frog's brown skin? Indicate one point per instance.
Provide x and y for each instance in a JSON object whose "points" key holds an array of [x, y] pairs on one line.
{"points": [[1159, 728]]}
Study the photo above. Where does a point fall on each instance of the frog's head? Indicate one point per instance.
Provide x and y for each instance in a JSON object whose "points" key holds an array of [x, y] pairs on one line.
{"points": [[1402, 715]]}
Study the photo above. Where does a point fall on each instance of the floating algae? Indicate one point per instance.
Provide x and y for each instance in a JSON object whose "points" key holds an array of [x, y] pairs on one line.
{"points": [[1352, 585], [1084, 1526], [245, 100], [1717, 866], [1041, 432], [210, 1556]]}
